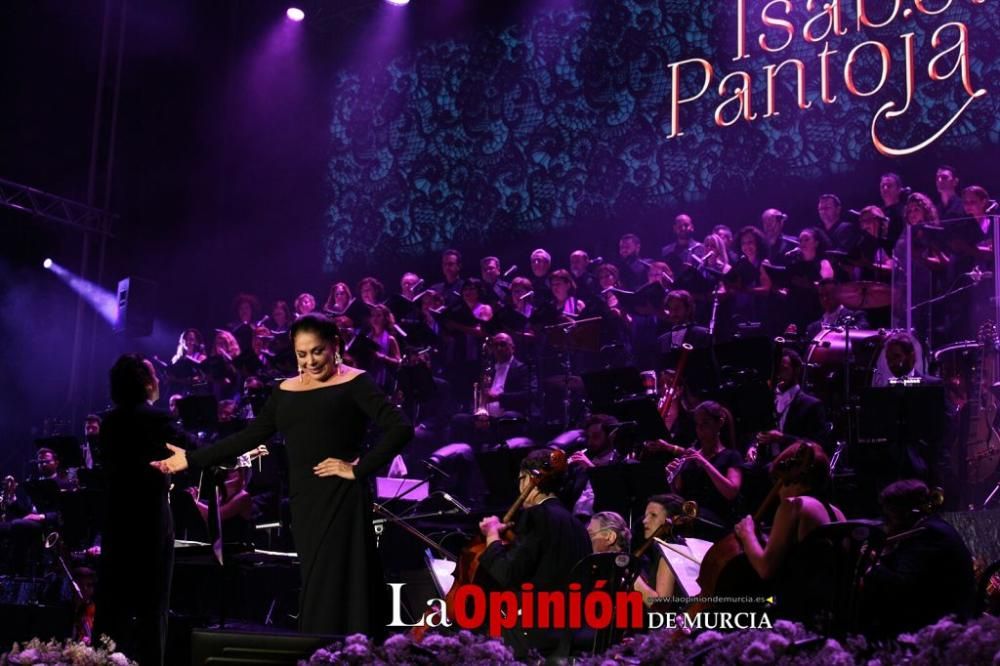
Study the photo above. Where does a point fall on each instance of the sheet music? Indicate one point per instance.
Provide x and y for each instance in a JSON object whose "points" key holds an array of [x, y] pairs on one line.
{"points": [[685, 569], [443, 572]]}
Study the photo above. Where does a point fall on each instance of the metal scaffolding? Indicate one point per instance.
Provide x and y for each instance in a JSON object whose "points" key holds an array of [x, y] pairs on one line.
{"points": [[54, 208]]}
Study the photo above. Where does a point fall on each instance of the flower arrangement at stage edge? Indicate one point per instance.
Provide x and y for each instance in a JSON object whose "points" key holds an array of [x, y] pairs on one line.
{"points": [[68, 653], [463, 648]]}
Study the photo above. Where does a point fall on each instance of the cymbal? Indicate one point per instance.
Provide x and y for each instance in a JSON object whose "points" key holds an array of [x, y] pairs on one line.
{"points": [[864, 295]]}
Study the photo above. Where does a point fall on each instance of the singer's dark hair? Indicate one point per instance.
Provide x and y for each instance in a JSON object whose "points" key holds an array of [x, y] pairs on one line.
{"points": [[486, 260], [631, 237], [319, 325], [895, 176], [129, 376], [796, 362]]}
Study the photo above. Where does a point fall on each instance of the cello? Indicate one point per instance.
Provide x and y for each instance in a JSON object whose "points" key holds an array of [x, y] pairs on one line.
{"points": [[467, 570], [725, 570]]}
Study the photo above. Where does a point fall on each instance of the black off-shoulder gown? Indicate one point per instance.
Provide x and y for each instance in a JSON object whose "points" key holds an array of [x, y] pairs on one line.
{"points": [[343, 590]]}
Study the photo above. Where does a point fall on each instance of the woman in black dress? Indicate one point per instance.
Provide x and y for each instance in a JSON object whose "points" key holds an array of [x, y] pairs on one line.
{"points": [[324, 414]]}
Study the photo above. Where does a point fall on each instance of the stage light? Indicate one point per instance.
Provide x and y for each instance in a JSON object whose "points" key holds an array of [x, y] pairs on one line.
{"points": [[47, 264], [295, 14], [398, 3]]}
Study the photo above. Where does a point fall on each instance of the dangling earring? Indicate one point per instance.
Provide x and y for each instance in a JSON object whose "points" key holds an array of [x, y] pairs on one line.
{"points": [[302, 374], [337, 359]]}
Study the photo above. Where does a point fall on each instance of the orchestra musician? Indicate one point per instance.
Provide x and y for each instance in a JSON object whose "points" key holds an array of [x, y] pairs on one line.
{"points": [[893, 195], [680, 319], [789, 559], [710, 473], [609, 533], [835, 314], [548, 542], [798, 414], [656, 580], [924, 570]]}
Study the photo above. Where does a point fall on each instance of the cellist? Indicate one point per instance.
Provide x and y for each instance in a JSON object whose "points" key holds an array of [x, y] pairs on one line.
{"points": [[791, 561], [548, 543]]}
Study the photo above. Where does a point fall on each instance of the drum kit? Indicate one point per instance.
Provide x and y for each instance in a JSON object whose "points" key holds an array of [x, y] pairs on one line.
{"points": [[843, 361]]}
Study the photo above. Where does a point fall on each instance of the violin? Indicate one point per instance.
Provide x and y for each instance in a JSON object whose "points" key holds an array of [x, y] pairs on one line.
{"points": [[467, 571]]}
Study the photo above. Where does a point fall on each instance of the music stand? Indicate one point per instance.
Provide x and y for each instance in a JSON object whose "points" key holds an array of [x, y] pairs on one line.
{"points": [[642, 411], [605, 387], [625, 488]]}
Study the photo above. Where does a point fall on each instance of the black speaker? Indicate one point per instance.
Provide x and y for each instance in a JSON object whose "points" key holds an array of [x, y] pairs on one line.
{"points": [[254, 647], [136, 307]]}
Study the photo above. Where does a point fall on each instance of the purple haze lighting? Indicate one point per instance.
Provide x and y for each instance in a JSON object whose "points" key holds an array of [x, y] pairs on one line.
{"points": [[398, 3], [295, 14]]}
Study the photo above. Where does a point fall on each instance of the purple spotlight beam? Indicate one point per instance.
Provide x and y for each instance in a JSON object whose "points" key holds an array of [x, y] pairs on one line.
{"points": [[398, 3], [295, 14]]}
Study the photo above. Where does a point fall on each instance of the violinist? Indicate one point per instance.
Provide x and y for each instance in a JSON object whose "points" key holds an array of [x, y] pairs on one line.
{"points": [[656, 580], [548, 543], [790, 560], [710, 474], [924, 571]]}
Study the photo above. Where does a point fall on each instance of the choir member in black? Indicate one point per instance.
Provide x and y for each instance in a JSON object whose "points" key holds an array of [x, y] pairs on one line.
{"points": [[338, 300], [185, 371], [949, 200], [247, 308], [90, 447], [586, 283], [772, 221], [969, 240], [304, 304], [924, 573], [835, 315], [805, 268], [137, 543], [633, 269], [678, 254], [371, 291], [656, 580], [710, 473], [549, 542], [494, 289], [797, 414], [564, 294], [794, 560], [323, 415], [541, 265], [387, 357], [843, 235], [729, 239], [22, 527], [408, 284], [682, 329], [218, 367], [609, 533], [278, 322], [874, 258], [894, 196], [927, 264], [451, 268], [744, 294]]}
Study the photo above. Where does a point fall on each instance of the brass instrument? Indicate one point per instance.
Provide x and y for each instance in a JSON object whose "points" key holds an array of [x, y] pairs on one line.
{"points": [[669, 393], [480, 390]]}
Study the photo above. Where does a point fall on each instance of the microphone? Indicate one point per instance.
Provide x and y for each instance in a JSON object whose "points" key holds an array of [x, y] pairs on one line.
{"points": [[701, 260], [434, 468], [992, 208], [510, 271], [527, 295], [794, 252], [905, 192], [595, 261], [454, 502], [781, 216], [401, 332], [418, 286]]}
